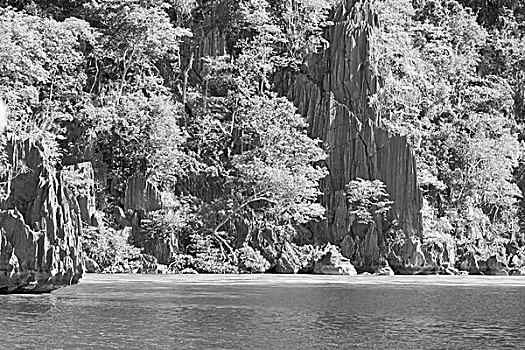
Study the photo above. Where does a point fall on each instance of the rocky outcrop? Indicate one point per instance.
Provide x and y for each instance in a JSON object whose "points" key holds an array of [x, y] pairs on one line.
{"points": [[40, 227], [439, 255], [517, 272], [91, 266], [333, 263], [283, 257], [86, 197], [385, 271], [141, 195], [287, 259], [333, 93], [141, 198], [361, 245], [476, 264], [407, 257]]}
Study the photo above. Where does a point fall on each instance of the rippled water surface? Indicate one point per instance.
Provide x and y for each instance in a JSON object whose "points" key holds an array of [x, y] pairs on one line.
{"points": [[269, 312]]}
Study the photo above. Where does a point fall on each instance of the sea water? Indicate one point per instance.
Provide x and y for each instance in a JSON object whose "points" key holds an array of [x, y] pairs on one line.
{"points": [[269, 312]]}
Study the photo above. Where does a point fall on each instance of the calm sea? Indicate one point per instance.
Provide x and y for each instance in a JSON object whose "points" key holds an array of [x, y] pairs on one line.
{"points": [[269, 312]]}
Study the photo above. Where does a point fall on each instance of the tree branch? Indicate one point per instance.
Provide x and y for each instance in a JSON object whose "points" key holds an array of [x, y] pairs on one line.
{"points": [[215, 232]]}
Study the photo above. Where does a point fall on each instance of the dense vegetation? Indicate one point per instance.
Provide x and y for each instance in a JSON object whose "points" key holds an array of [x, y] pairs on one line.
{"points": [[453, 82], [124, 85]]}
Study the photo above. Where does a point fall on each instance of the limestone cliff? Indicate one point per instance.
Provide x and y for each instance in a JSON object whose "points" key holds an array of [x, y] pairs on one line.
{"points": [[40, 227], [141, 198], [333, 93], [141, 195]]}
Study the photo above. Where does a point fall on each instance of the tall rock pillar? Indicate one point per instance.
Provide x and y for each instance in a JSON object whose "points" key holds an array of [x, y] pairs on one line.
{"points": [[334, 95]]}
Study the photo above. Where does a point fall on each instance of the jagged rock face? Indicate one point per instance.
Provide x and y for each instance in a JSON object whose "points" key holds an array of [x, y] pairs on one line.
{"points": [[333, 263], [40, 228], [334, 97], [283, 256], [475, 264], [141, 195], [439, 255], [407, 257], [3, 116], [86, 201]]}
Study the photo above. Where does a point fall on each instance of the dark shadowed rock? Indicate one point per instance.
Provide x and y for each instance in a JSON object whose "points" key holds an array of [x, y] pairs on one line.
{"points": [[517, 272], [496, 265], [91, 265], [440, 257], [474, 263], [288, 261], [470, 262], [141, 198], [385, 270], [86, 199]]}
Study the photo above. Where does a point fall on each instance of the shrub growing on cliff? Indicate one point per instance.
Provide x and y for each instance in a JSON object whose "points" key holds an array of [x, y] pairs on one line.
{"points": [[367, 199]]}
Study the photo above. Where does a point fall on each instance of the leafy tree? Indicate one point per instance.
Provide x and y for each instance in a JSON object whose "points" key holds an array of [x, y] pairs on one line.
{"points": [[42, 73], [251, 260], [275, 176], [138, 135], [251, 147], [301, 23], [367, 200], [460, 123], [137, 35]]}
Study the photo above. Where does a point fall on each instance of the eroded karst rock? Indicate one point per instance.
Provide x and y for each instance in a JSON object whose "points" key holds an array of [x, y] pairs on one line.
{"points": [[483, 264], [85, 197], [333, 263], [141, 195], [439, 255], [40, 226], [141, 198], [333, 93], [407, 257]]}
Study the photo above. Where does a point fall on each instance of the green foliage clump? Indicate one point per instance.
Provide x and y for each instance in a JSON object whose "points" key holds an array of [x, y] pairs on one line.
{"points": [[436, 230], [251, 260], [457, 110], [76, 182], [214, 263], [367, 199], [41, 75], [209, 256], [181, 262], [138, 135], [108, 247]]}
